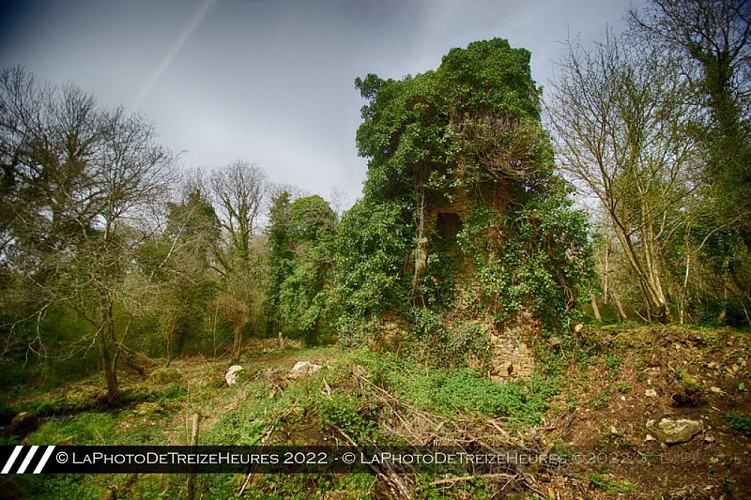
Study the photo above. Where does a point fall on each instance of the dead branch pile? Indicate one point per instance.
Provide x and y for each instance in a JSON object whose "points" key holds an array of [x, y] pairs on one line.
{"points": [[527, 457]]}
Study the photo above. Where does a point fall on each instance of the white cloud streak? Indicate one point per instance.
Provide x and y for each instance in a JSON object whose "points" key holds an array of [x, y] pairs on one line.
{"points": [[198, 15]]}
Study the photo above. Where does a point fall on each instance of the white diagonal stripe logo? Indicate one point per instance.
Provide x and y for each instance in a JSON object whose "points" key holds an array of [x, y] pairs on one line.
{"points": [[43, 462], [11, 460], [27, 460]]}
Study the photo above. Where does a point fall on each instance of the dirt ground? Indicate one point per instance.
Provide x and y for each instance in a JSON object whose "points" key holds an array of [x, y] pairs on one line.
{"points": [[640, 374]]}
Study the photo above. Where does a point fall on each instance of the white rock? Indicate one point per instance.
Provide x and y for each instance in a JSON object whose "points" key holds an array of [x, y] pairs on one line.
{"points": [[303, 368], [231, 375]]}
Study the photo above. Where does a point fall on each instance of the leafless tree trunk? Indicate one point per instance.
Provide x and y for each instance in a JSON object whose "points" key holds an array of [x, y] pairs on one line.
{"points": [[239, 190], [617, 116]]}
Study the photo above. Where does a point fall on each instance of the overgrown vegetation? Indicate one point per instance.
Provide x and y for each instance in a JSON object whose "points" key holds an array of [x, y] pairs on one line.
{"points": [[578, 420], [465, 258], [466, 229], [668, 102], [460, 191], [739, 422], [362, 395]]}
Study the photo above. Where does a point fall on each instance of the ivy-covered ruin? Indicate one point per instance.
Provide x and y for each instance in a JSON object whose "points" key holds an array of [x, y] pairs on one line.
{"points": [[464, 248]]}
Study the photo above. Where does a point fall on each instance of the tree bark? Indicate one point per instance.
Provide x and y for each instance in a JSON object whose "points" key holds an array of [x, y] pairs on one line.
{"points": [[108, 347], [596, 309], [421, 247]]}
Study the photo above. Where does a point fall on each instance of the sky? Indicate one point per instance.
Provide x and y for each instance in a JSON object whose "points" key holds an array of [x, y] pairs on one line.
{"points": [[272, 81]]}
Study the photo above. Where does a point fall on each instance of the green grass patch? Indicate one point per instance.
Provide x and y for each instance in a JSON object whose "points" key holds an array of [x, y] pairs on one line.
{"points": [[86, 429], [244, 425], [446, 392], [739, 423], [610, 486], [74, 398], [164, 375], [57, 486]]}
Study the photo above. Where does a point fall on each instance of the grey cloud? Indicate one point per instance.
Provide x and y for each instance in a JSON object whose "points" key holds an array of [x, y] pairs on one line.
{"points": [[269, 80]]}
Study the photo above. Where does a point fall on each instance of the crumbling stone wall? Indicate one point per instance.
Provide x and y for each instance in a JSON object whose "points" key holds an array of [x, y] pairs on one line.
{"points": [[511, 344], [512, 349]]}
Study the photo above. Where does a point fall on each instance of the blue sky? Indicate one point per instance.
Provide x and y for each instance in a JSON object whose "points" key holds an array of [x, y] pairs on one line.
{"points": [[272, 81]]}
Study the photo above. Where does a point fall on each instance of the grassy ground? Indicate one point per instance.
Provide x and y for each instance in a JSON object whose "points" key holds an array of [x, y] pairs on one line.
{"points": [[587, 408]]}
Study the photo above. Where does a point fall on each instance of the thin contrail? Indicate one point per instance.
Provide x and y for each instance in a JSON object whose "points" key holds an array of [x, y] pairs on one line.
{"points": [[201, 9], [504, 19]]}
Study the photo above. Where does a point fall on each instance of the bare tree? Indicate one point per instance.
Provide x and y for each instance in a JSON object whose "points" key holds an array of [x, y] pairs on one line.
{"points": [[716, 34], [19, 114], [182, 262], [239, 189], [80, 185], [713, 39], [338, 200], [618, 117]]}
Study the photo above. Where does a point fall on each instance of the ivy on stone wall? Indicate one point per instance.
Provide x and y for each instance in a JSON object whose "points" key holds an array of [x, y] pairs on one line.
{"points": [[463, 217]]}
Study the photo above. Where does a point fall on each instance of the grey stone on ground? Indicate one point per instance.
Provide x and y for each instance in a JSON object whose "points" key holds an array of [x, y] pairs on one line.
{"points": [[673, 431], [231, 375]]}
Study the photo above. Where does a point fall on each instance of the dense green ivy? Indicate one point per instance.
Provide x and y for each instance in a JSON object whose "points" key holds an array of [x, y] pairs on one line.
{"points": [[463, 217], [373, 240], [300, 298], [541, 259]]}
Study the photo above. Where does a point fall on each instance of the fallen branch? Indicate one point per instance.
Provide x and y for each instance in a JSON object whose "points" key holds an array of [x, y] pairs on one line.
{"points": [[389, 476], [266, 435], [453, 480], [136, 360]]}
